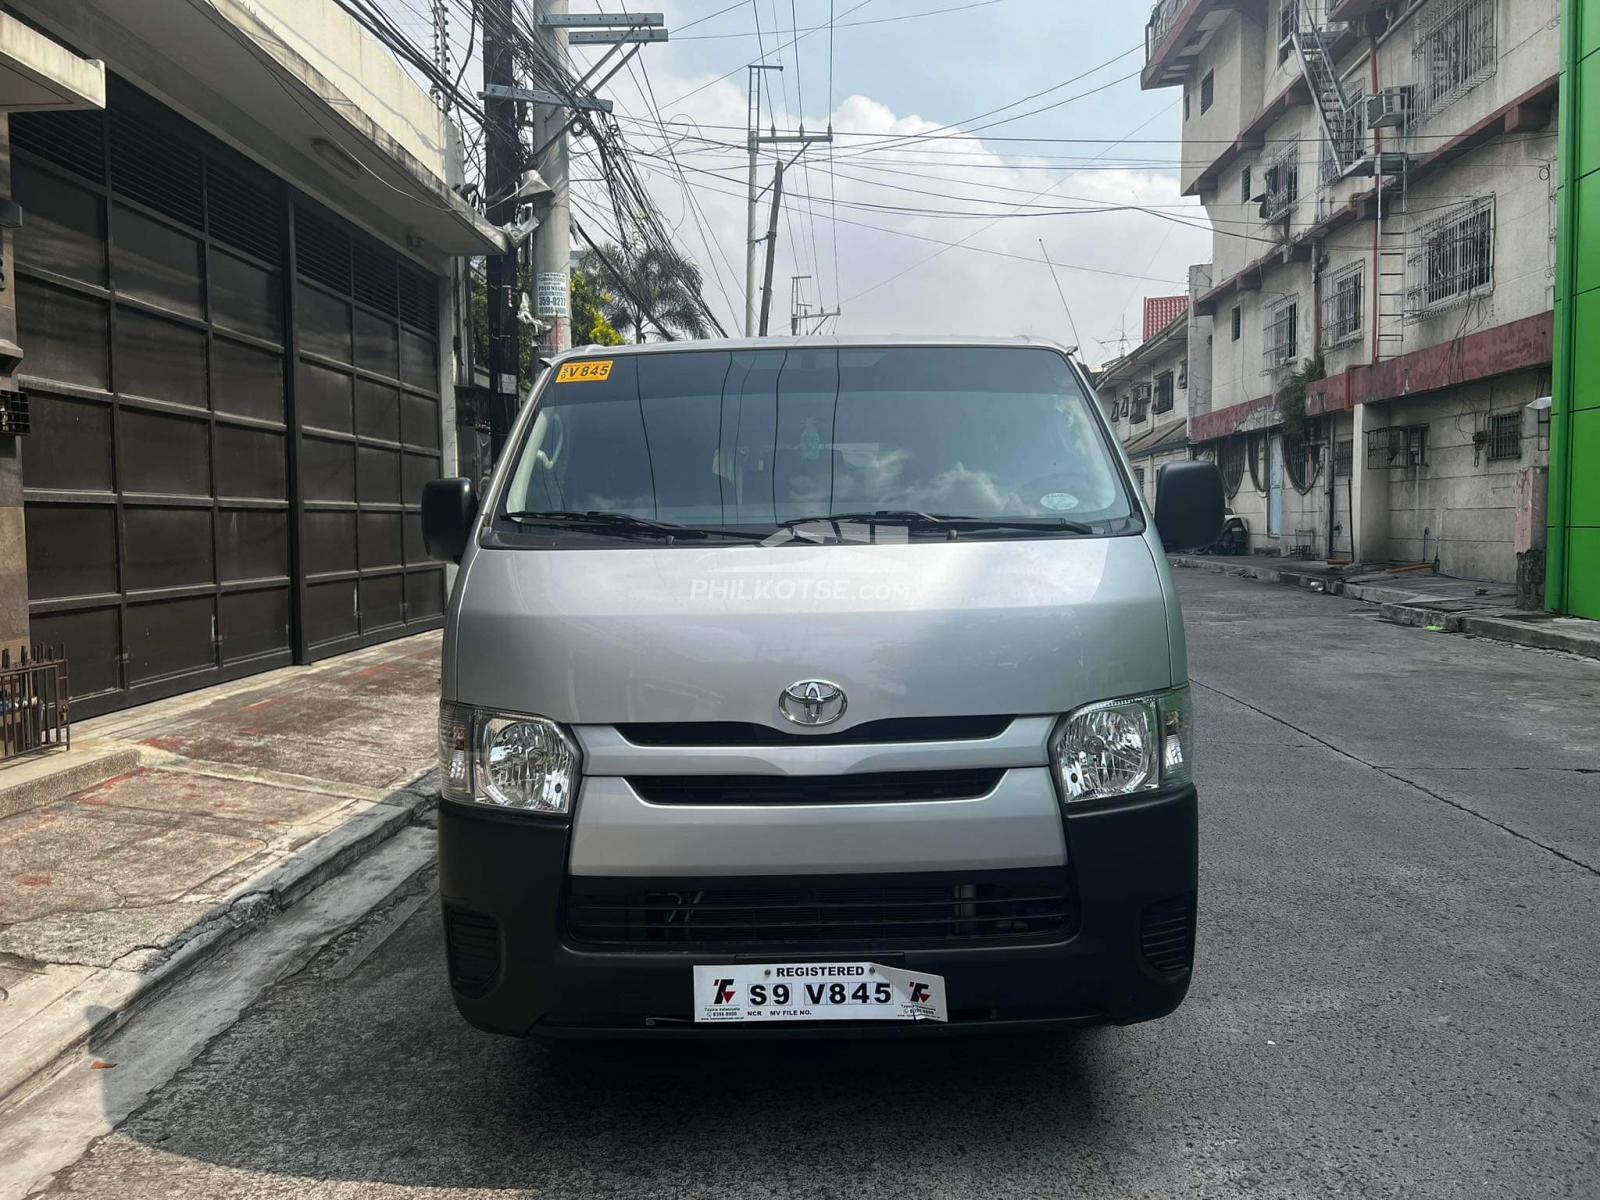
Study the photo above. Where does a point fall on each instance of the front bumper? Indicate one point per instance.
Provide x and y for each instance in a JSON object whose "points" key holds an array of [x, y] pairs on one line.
{"points": [[1132, 866]]}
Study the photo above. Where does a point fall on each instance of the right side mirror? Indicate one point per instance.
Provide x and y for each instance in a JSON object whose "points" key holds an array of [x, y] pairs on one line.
{"points": [[1189, 505], [449, 507]]}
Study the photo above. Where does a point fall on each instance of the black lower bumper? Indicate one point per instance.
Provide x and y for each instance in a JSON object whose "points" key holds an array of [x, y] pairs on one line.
{"points": [[1132, 866]]}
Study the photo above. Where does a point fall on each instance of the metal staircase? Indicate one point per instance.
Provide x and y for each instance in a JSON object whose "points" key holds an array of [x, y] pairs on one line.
{"points": [[1340, 122]]}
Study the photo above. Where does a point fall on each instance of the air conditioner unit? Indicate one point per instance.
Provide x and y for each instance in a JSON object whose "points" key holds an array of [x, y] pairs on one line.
{"points": [[1389, 108]]}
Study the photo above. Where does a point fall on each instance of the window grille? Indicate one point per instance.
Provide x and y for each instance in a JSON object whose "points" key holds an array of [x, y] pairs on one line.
{"points": [[1259, 446], [1238, 321], [1230, 459], [1208, 91], [14, 414], [1344, 454], [1505, 436], [1455, 52], [1288, 26], [1244, 186], [1451, 260], [1138, 478], [1397, 447], [1164, 392], [1343, 305], [1279, 345], [1302, 460], [1282, 184]]}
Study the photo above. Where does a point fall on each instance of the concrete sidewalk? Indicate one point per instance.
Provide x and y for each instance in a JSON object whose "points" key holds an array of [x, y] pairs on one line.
{"points": [[171, 828], [1473, 607]]}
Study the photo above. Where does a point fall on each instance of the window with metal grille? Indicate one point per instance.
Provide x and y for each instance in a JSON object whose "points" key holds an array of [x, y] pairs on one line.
{"points": [[1138, 478], [1244, 186], [1208, 90], [1288, 26], [1141, 401], [1343, 308], [1258, 447], [1279, 343], [1451, 260], [1455, 51], [1397, 447], [1230, 459], [1505, 436], [1164, 392], [1344, 454], [1302, 459], [1282, 184], [1238, 321]]}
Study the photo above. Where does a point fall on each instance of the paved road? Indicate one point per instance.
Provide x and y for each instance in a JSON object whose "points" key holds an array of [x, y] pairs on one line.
{"points": [[1395, 995]]}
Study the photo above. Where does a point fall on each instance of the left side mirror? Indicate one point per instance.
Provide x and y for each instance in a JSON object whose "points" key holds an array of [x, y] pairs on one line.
{"points": [[449, 507], [1189, 505]]}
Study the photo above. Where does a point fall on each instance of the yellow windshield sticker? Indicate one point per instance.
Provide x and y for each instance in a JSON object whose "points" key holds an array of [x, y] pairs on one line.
{"points": [[585, 372]]}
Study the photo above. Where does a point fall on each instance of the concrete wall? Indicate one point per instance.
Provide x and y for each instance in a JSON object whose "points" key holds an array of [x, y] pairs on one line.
{"points": [[1462, 508], [1234, 57], [13, 540], [320, 32]]}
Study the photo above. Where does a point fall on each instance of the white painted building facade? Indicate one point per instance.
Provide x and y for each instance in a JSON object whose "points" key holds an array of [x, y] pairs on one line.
{"points": [[1404, 244]]}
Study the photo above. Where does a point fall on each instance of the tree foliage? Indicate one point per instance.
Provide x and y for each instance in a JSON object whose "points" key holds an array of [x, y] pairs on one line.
{"points": [[648, 289]]}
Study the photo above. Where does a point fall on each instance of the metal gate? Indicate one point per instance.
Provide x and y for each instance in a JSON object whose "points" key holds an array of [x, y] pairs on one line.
{"points": [[173, 481], [367, 398]]}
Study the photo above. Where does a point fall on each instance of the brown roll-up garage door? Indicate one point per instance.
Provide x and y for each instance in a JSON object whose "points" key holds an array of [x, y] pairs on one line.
{"points": [[164, 513]]}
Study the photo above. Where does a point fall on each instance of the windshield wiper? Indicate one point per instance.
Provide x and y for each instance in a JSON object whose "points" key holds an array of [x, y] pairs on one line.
{"points": [[947, 522], [626, 524]]}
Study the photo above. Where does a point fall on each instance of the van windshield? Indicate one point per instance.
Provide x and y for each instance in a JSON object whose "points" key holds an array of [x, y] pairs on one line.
{"points": [[956, 441]]}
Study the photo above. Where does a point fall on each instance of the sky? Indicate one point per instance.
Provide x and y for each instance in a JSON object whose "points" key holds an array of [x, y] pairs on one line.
{"points": [[901, 73]]}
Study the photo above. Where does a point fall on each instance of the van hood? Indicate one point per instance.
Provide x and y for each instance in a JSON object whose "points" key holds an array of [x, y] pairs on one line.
{"points": [[716, 633]]}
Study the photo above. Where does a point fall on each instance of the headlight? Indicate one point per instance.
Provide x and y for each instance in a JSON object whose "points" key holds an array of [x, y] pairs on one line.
{"points": [[508, 761], [1120, 747]]}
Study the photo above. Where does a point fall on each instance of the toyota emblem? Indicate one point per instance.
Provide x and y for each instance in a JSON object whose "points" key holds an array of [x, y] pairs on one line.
{"points": [[812, 702]]}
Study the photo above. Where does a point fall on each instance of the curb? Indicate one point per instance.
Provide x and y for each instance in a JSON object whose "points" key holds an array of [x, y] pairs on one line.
{"points": [[33, 784], [1399, 606], [91, 1002]]}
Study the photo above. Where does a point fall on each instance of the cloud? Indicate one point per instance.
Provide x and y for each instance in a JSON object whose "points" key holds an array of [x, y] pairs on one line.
{"points": [[895, 274]]}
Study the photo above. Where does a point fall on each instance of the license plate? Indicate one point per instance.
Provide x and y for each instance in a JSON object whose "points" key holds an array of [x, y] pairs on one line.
{"points": [[854, 991]]}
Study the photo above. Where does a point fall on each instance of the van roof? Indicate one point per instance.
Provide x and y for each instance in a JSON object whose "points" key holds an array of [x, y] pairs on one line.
{"points": [[812, 343]]}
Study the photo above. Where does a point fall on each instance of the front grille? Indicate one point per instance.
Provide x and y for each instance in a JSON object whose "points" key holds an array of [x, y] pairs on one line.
{"points": [[869, 787], [748, 733], [472, 947], [909, 910], [1166, 935]]}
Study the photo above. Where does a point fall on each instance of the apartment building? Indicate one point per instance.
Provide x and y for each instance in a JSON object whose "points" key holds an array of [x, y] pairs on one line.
{"points": [[1146, 392], [1381, 181]]}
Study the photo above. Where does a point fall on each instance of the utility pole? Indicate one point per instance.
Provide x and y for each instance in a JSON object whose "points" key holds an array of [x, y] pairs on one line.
{"points": [[800, 311], [552, 241], [754, 307], [502, 153], [772, 247]]}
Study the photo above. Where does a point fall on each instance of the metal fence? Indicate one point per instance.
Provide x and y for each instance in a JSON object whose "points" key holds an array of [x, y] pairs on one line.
{"points": [[33, 702]]}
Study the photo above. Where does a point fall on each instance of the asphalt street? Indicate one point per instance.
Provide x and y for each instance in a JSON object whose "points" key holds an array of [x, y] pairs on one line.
{"points": [[1395, 995]]}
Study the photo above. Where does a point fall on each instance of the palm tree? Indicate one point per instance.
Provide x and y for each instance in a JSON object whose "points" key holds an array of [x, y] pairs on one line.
{"points": [[648, 287]]}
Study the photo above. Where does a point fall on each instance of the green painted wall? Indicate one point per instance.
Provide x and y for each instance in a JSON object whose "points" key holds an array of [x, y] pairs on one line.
{"points": [[1573, 578]]}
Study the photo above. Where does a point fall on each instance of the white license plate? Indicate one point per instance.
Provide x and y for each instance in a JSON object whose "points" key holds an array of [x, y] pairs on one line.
{"points": [[853, 991]]}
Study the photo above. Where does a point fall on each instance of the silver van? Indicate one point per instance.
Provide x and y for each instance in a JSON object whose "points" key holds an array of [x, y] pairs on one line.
{"points": [[816, 685]]}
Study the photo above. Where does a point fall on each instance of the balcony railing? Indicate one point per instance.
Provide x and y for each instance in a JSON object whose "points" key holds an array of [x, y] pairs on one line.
{"points": [[1161, 19]]}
